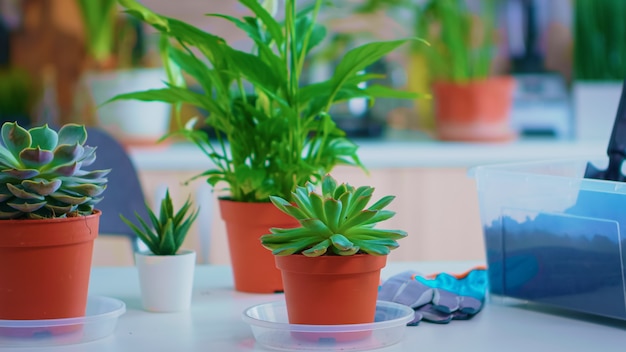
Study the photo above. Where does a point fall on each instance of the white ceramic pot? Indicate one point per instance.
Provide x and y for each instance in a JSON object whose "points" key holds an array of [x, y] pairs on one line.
{"points": [[132, 122], [166, 281]]}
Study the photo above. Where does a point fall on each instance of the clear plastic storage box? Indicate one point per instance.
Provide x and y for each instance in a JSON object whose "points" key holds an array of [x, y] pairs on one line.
{"points": [[553, 236]]}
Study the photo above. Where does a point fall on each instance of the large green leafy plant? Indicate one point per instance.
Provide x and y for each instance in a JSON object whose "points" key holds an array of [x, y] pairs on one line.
{"points": [[273, 131], [41, 173], [337, 219]]}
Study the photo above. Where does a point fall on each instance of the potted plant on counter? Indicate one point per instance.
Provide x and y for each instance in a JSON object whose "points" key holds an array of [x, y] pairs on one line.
{"points": [[118, 61], [272, 132], [47, 220], [331, 263], [165, 261], [470, 103]]}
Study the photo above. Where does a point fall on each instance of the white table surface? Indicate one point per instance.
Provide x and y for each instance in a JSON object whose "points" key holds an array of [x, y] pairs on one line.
{"points": [[214, 322], [399, 152]]}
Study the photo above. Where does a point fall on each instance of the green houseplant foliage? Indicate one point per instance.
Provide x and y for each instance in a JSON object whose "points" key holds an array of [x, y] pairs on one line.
{"points": [[462, 44], [337, 220], [41, 173], [273, 131], [599, 48], [109, 38], [169, 228]]}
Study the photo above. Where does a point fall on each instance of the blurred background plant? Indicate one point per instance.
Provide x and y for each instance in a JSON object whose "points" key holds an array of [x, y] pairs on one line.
{"points": [[19, 94], [113, 39], [463, 42], [599, 46]]}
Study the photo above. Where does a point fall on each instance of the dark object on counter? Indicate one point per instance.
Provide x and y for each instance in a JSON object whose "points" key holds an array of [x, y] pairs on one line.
{"points": [[617, 147]]}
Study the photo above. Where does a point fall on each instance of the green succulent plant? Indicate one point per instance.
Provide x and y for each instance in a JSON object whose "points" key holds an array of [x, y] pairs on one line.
{"points": [[41, 175], [336, 219], [168, 230]]}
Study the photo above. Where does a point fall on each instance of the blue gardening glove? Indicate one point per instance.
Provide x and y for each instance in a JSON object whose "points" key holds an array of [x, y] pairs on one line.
{"points": [[439, 298]]}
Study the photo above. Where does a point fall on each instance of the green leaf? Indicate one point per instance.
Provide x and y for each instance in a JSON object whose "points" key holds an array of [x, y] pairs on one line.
{"points": [[341, 242], [15, 138], [167, 245], [72, 133], [138, 10], [358, 59], [318, 249], [41, 186], [43, 137], [379, 91], [36, 157], [22, 193], [381, 203], [332, 209], [26, 205], [273, 27], [69, 199]]}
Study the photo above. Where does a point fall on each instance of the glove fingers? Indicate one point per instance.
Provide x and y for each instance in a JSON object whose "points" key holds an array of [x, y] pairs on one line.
{"points": [[470, 305], [445, 301], [416, 319], [431, 314]]}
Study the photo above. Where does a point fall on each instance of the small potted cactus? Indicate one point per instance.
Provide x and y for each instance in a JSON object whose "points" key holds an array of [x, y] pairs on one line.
{"points": [[47, 220], [331, 264], [165, 261]]}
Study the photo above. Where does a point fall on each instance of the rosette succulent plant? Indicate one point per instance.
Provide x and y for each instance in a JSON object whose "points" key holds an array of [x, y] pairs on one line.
{"points": [[168, 230], [41, 175], [337, 220]]}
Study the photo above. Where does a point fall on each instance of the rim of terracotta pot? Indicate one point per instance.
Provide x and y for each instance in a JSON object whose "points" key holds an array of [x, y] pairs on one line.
{"points": [[28, 232]]}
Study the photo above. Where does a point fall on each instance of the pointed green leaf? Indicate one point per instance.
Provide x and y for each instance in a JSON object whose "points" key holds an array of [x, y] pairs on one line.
{"points": [[72, 133], [23, 194], [26, 206], [15, 138], [43, 137], [36, 157]]}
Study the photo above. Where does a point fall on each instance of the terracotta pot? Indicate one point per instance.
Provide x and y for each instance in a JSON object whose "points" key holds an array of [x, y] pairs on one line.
{"points": [[331, 290], [45, 266], [254, 268], [474, 111]]}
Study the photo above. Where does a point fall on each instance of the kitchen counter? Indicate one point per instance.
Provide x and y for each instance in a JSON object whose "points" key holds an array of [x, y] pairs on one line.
{"points": [[399, 150]]}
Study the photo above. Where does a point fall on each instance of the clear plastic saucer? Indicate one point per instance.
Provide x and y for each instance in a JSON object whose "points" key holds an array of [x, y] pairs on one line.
{"points": [[99, 321], [271, 328]]}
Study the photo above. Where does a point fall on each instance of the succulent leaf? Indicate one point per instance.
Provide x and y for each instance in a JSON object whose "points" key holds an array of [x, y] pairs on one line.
{"points": [[68, 198], [72, 133], [15, 138], [67, 169], [21, 174], [66, 154], [35, 157], [337, 220], [87, 189], [25, 205], [22, 193], [43, 137]]}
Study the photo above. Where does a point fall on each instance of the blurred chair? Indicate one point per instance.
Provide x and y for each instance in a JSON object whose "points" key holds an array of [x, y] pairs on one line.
{"points": [[123, 195]]}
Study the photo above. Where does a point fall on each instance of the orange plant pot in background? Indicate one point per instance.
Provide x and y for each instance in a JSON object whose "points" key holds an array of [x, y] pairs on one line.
{"points": [[474, 111], [45, 266], [254, 268]]}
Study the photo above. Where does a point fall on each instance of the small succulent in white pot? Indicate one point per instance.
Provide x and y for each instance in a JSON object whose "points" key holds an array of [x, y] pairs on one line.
{"points": [[165, 261]]}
